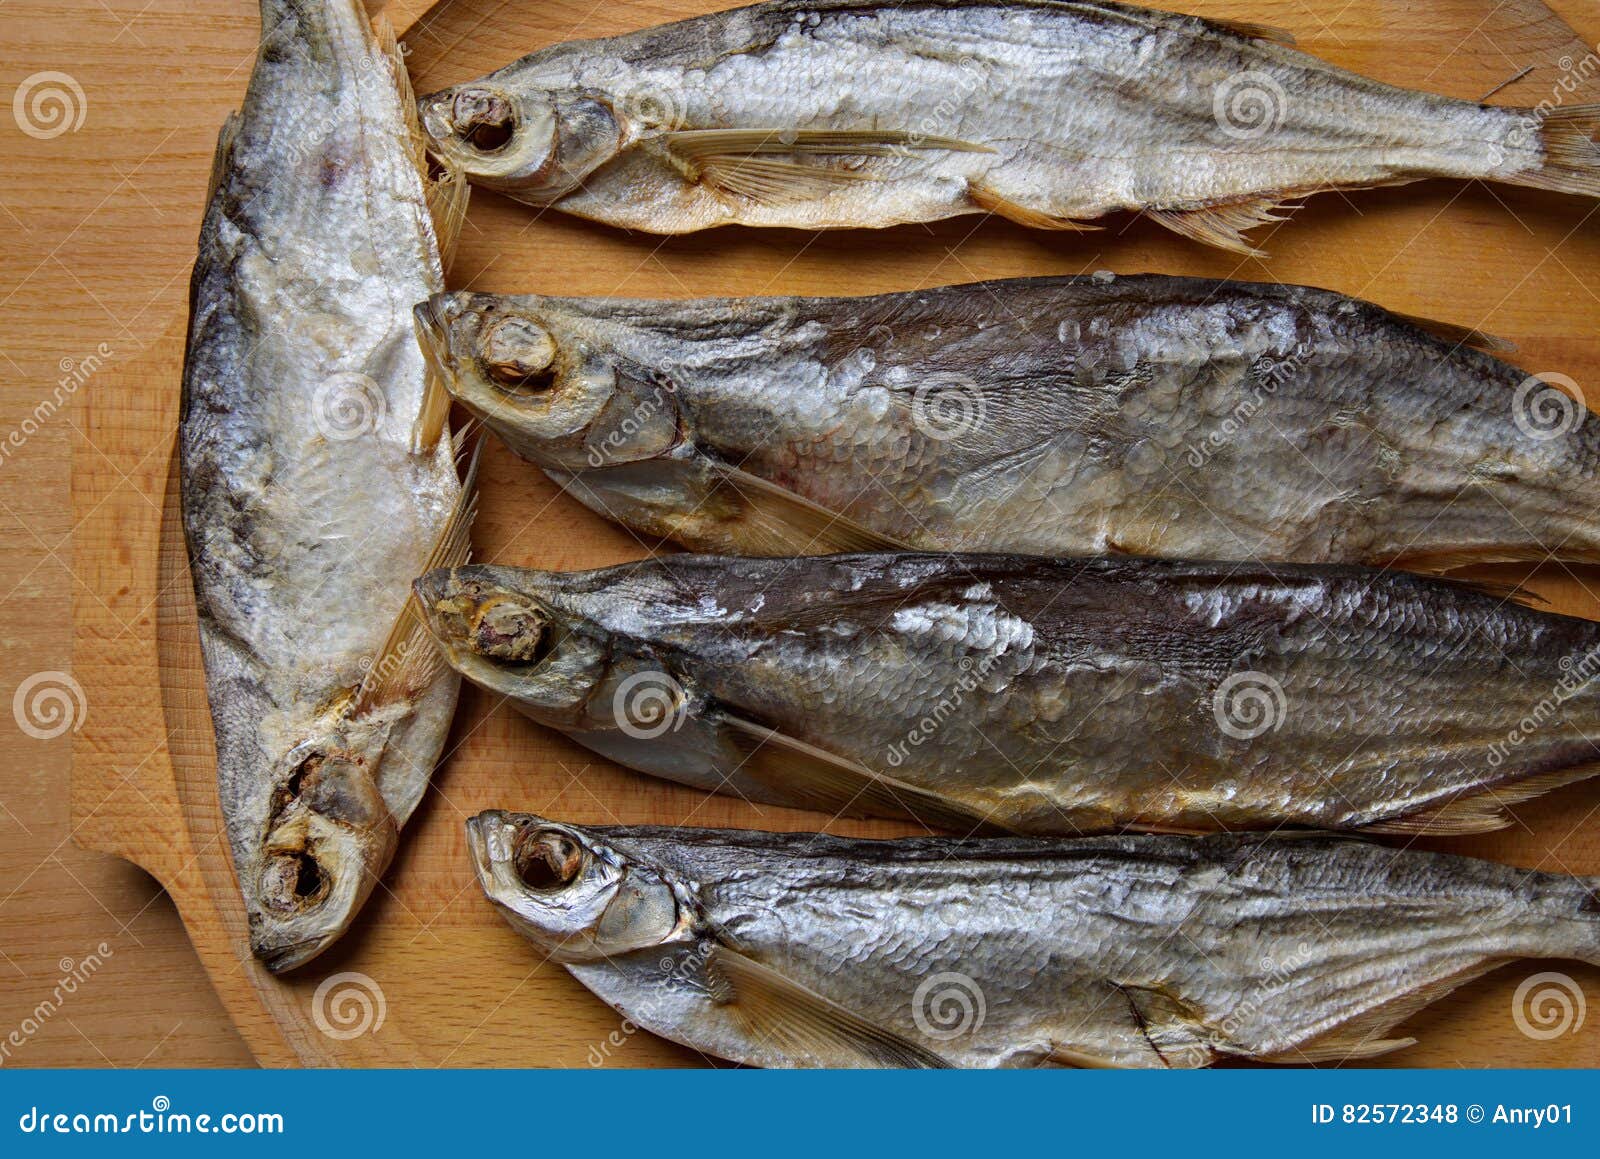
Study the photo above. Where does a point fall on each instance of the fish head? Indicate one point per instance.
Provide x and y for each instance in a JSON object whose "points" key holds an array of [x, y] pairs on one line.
{"points": [[571, 893], [554, 396], [329, 836], [529, 142], [524, 635], [502, 636]]}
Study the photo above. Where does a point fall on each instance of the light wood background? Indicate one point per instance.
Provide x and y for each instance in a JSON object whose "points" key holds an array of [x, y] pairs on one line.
{"points": [[97, 232]]}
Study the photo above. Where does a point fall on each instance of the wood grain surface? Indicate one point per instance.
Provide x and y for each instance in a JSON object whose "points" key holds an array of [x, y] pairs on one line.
{"points": [[99, 239]]}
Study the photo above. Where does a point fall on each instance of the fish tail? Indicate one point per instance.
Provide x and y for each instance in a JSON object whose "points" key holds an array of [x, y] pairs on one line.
{"points": [[1567, 141]]}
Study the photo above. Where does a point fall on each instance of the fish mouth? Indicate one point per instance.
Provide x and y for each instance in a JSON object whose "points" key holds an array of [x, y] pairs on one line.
{"points": [[431, 320], [471, 615], [280, 958]]}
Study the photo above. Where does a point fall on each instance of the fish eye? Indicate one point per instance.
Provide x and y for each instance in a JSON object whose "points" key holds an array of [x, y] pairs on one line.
{"points": [[549, 861], [519, 356], [484, 119]]}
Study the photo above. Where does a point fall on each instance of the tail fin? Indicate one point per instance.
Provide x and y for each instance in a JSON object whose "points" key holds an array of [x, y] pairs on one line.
{"points": [[1571, 154]]}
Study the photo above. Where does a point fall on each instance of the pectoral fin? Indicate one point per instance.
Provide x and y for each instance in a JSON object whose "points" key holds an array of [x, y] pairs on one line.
{"points": [[805, 1025], [815, 779], [409, 660], [766, 166], [777, 522]]}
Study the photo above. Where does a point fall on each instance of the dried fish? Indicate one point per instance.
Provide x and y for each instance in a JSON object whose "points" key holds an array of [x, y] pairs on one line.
{"points": [[796, 949], [1147, 415], [318, 475], [1047, 696], [846, 114]]}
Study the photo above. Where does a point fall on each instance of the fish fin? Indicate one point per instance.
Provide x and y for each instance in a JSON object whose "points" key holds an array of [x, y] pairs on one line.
{"points": [[987, 199], [761, 164], [783, 523], [1251, 30], [1357, 1039], [408, 660], [1345, 1048], [389, 48], [1223, 226], [1571, 154], [817, 779], [223, 156], [1082, 1059], [1460, 335], [447, 196], [1481, 812], [798, 1021], [1496, 589]]}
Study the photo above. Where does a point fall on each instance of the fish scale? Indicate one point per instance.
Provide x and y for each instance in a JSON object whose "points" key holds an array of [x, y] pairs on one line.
{"points": [[809, 950], [1260, 422], [1052, 114], [1049, 696]]}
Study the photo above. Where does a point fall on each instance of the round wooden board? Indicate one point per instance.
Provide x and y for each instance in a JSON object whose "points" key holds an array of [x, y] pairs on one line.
{"points": [[459, 988]]}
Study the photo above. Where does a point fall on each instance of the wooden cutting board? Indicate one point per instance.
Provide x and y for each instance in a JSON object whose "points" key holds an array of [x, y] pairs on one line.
{"points": [[430, 975]]}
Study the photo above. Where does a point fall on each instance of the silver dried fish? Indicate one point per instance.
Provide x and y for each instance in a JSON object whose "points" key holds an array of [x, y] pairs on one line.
{"points": [[820, 115], [796, 949], [318, 477]]}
